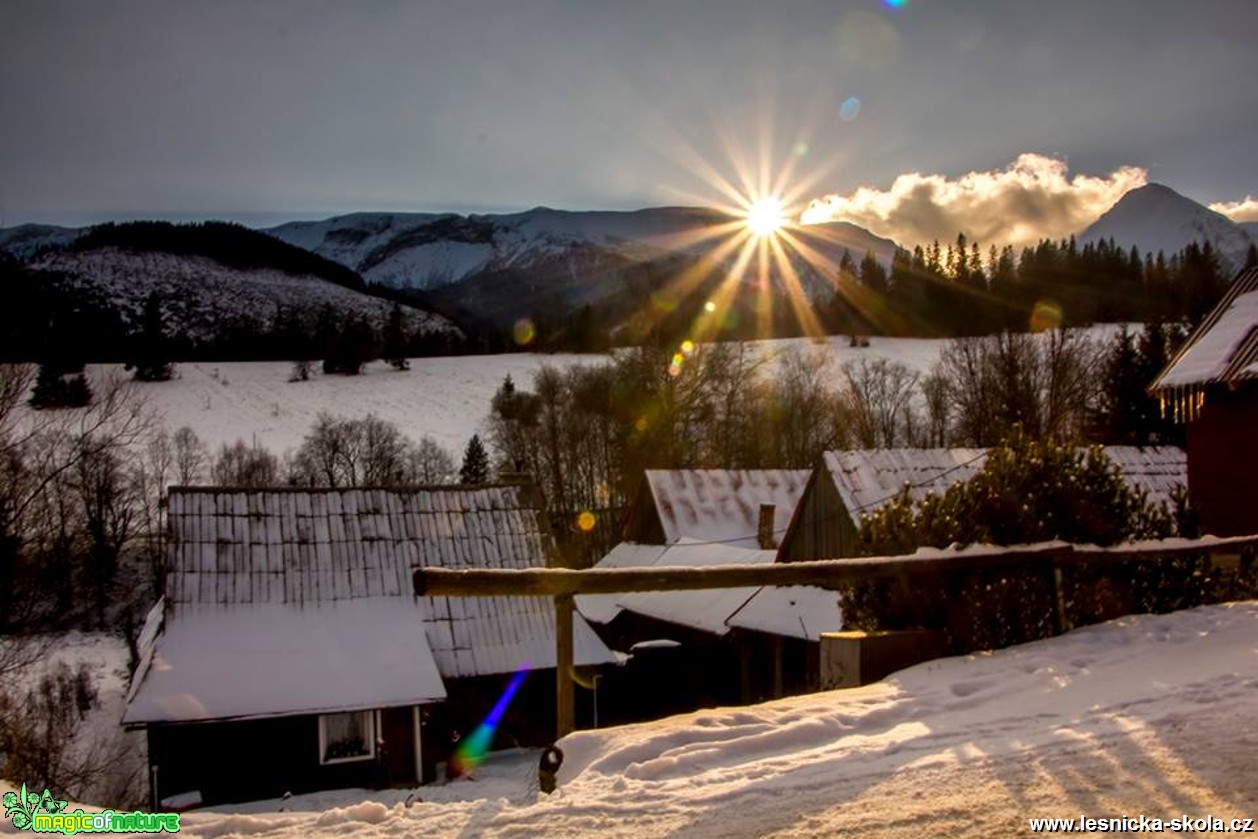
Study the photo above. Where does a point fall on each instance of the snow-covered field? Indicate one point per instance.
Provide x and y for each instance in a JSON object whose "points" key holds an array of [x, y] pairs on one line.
{"points": [[445, 398], [1147, 715]]}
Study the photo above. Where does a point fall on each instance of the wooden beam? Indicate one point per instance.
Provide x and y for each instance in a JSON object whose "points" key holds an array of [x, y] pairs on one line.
{"points": [[565, 712], [828, 573]]}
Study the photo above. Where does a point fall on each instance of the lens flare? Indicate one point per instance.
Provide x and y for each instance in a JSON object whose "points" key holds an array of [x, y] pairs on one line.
{"points": [[766, 216], [586, 521], [524, 332], [471, 752], [1045, 316], [850, 109]]}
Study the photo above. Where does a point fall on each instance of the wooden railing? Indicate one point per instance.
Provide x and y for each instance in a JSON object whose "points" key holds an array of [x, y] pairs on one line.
{"points": [[563, 583]]}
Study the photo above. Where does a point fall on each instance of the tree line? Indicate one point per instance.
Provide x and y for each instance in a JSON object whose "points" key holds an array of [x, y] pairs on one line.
{"points": [[586, 433], [938, 290]]}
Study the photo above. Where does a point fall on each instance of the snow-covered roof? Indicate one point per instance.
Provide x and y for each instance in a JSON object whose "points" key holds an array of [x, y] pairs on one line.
{"points": [[1158, 470], [1224, 346], [724, 504], [703, 609], [794, 611], [603, 608], [217, 662], [284, 561], [868, 478]]}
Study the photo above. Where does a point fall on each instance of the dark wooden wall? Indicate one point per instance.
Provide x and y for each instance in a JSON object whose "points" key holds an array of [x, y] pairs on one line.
{"points": [[247, 760], [822, 527], [1223, 461]]}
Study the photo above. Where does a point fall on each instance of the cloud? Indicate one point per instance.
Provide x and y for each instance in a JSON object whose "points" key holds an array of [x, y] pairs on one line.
{"points": [[1030, 200], [1246, 210]]}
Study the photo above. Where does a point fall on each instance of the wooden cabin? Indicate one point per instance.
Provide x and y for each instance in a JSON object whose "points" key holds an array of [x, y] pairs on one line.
{"points": [[849, 484], [1212, 385], [289, 653]]}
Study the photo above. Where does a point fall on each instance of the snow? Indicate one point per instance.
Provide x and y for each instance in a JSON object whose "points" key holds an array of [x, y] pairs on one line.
{"points": [[603, 608], [703, 609], [425, 251], [723, 505], [1208, 358], [1155, 217], [447, 399], [1147, 714], [793, 611], [200, 295], [224, 662], [866, 479], [98, 737]]}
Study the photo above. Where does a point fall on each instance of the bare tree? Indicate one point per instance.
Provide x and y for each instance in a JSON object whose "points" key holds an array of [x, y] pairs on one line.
{"points": [[879, 401], [189, 455], [429, 464], [1046, 384], [245, 465], [935, 393], [38, 449]]}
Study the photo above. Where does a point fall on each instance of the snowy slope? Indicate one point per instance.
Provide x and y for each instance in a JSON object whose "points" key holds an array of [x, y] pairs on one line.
{"points": [[1147, 715], [445, 398], [202, 297], [1156, 217], [25, 240]]}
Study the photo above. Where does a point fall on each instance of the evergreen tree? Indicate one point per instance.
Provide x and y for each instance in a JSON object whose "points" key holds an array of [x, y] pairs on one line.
{"points": [[352, 347], [396, 340], [59, 387], [150, 356], [475, 469]]}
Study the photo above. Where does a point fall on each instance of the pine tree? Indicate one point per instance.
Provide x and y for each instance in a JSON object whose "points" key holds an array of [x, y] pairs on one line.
{"points": [[60, 386], [396, 340], [150, 357], [475, 469], [352, 347]]}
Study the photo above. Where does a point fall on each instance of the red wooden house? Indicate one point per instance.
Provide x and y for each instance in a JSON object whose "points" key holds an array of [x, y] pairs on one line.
{"points": [[1212, 385]]}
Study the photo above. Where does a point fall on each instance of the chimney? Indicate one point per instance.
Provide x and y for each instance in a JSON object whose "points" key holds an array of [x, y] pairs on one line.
{"points": [[765, 531]]}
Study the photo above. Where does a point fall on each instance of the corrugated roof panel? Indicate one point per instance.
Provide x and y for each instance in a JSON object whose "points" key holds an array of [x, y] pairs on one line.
{"points": [[304, 548], [724, 505]]}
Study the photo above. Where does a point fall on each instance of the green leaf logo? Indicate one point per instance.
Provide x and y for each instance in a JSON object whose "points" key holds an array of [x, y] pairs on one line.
{"points": [[21, 807]]}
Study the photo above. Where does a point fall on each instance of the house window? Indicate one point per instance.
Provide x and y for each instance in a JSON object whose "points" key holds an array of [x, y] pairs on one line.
{"points": [[345, 737]]}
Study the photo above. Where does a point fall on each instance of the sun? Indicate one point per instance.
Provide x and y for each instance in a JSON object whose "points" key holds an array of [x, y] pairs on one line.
{"points": [[766, 216]]}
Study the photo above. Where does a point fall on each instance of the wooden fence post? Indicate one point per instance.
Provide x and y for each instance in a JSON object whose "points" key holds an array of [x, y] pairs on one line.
{"points": [[565, 716]]}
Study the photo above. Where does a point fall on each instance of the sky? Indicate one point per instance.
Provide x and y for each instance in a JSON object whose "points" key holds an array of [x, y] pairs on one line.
{"points": [[914, 115]]}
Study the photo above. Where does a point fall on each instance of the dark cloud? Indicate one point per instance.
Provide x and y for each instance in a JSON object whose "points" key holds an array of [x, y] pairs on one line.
{"points": [[153, 107]]}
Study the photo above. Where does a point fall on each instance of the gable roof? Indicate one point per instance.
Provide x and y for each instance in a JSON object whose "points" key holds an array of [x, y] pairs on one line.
{"points": [[298, 565], [723, 505], [866, 479], [1224, 346]]}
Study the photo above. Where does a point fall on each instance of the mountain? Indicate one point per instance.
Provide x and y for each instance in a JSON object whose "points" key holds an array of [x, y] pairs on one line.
{"points": [[222, 289], [25, 240], [1155, 217], [498, 268]]}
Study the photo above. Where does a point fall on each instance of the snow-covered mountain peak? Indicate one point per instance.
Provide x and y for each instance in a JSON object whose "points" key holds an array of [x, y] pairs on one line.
{"points": [[1155, 217]]}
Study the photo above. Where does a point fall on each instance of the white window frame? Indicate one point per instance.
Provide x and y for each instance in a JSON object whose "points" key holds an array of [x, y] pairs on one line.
{"points": [[370, 727]]}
